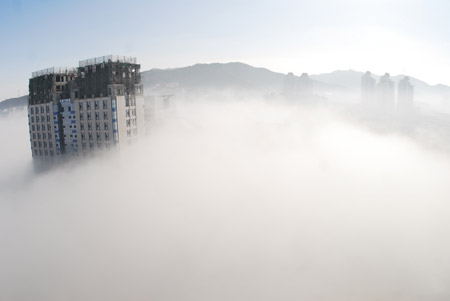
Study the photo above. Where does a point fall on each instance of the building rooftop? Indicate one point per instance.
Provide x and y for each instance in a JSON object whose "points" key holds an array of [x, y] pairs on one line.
{"points": [[53, 70], [107, 58]]}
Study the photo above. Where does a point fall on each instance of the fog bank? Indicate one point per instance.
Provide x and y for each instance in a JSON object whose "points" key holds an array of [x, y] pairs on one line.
{"points": [[229, 201]]}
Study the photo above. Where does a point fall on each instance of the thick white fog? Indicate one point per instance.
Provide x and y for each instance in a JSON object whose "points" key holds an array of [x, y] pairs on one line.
{"points": [[229, 201]]}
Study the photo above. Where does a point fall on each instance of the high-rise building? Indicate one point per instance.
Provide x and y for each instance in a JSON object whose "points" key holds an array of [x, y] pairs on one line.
{"points": [[367, 89], [405, 95], [99, 105], [298, 88], [385, 93]]}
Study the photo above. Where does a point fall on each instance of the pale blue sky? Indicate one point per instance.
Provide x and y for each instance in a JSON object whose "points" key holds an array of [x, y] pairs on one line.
{"points": [[300, 36]]}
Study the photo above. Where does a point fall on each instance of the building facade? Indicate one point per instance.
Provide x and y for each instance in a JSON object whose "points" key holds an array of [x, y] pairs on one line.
{"points": [[75, 112]]}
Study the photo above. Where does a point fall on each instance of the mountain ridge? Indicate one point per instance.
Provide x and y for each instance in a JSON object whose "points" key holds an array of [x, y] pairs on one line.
{"points": [[242, 76]]}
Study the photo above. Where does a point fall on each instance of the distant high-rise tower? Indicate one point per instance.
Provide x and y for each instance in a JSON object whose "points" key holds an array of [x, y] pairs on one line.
{"points": [[298, 88], [290, 85], [305, 86], [99, 105], [405, 95], [385, 93], [367, 89]]}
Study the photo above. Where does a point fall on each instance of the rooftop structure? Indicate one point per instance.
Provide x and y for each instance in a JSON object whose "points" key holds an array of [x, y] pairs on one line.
{"points": [[53, 70], [106, 59]]}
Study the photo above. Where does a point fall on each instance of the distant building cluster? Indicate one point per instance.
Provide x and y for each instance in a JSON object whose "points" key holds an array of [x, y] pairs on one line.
{"points": [[381, 95], [75, 111], [298, 87]]}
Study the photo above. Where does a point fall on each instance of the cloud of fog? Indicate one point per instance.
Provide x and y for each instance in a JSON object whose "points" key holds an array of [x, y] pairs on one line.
{"points": [[230, 201]]}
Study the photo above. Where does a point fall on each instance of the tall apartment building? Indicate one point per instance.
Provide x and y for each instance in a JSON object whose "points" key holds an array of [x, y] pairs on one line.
{"points": [[405, 102], [385, 93], [368, 89], [97, 106]]}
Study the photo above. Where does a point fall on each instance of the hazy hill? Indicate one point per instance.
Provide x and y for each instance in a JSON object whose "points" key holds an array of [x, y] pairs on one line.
{"points": [[11, 104], [351, 80], [239, 76], [215, 76]]}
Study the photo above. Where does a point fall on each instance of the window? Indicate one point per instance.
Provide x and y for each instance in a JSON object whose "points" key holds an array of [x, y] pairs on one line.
{"points": [[97, 105], [35, 144], [127, 112], [82, 126], [42, 110], [32, 111], [50, 144], [133, 112], [89, 126], [45, 144], [105, 115], [99, 137], [37, 118], [81, 106], [32, 119], [97, 116], [88, 105], [107, 136], [105, 105], [128, 123], [39, 136], [51, 153], [81, 116], [34, 136], [38, 127], [133, 101], [47, 109], [97, 126], [44, 136], [128, 133], [83, 136], [106, 126], [40, 144], [33, 128], [49, 127], [89, 116], [91, 137], [48, 118]]}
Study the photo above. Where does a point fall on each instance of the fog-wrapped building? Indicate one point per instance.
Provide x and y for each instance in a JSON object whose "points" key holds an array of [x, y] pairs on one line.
{"points": [[97, 106], [385, 93], [368, 89], [405, 95]]}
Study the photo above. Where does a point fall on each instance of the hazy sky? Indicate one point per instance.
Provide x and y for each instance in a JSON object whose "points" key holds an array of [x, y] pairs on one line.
{"points": [[299, 36]]}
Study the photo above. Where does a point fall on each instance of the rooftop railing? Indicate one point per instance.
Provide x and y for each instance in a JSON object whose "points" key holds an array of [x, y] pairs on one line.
{"points": [[53, 70], [107, 58]]}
